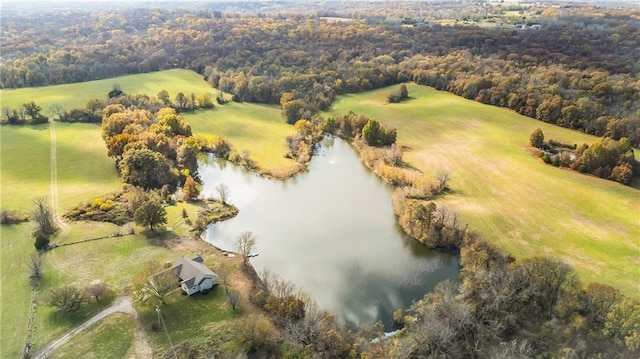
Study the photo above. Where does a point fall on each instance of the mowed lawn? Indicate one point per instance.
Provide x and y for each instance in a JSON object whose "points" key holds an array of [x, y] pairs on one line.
{"points": [[84, 170], [501, 189]]}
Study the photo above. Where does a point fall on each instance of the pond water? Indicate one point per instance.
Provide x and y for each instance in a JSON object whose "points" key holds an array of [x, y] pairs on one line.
{"points": [[330, 231]]}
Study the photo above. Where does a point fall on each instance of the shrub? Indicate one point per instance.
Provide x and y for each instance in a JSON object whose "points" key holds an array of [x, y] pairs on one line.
{"points": [[41, 242], [257, 335], [66, 299], [537, 138], [11, 217]]}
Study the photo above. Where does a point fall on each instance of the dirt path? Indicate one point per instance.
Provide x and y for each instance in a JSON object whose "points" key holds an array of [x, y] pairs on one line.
{"points": [[122, 304], [64, 228]]}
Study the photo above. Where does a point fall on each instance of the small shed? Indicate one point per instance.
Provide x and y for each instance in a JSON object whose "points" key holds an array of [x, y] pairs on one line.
{"points": [[193, 275]]}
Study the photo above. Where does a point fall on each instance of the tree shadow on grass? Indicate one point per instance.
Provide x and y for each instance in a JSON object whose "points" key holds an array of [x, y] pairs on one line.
{"points": [[160, 236]]}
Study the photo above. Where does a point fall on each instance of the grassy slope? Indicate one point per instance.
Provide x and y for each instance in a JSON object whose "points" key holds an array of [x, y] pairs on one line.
{"points": [[253, 127], [112, 260], [76, 95], [204, 318], [84, 170], [516, 201]]}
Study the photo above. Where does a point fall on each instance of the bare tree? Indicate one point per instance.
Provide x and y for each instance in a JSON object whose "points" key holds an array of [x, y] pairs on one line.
{"points": [[233, 296], [97, 290], [43, 216], [512, 350], [223, 193], [57, 109], [245, 242], [223, 273], [35, 268], [7, 113], [443, 180]]}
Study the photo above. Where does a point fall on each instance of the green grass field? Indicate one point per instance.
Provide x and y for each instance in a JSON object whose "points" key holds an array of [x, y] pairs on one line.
{"points": [[15, 247], [203, 319], [24, 165], [76, 95], [254, 127], [501, 189], [110, 338]]}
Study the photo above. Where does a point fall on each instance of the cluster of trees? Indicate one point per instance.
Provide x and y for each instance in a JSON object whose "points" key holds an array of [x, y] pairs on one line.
{"points": [[304, 62], [304, 330], [70, 298], [605, 158], [435, 227], [29, 113], [378, 135], [519, 309], [146, 208], [152, 150], [302, 144], [358, 126], [401, 94]]}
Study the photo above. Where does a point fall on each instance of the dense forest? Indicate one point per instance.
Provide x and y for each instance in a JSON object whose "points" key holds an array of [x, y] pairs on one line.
{"points": [[579, 70]]}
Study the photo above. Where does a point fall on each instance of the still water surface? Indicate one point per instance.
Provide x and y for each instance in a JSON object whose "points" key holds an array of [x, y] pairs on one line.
{"points": [[331, 231]]}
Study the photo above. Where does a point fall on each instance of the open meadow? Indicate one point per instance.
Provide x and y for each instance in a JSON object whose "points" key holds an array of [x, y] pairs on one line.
{"points": [[76, 95], [510, 196]]}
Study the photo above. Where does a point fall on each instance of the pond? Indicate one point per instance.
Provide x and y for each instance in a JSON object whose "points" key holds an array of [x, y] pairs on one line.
{"points": [[330, 231]]}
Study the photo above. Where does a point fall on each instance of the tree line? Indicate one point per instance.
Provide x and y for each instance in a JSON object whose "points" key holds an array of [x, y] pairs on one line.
{"points": [[606, 158], [566, 73]]}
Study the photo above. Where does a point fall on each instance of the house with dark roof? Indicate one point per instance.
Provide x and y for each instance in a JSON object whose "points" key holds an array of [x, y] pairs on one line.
{"points": [[194, 276]]}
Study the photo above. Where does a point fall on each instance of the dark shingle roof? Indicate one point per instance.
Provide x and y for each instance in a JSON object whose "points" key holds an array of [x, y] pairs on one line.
{"points": [[192, 271]]}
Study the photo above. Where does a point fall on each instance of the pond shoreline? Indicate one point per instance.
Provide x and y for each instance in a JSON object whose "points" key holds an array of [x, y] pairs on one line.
{"points": [[331, 231]]}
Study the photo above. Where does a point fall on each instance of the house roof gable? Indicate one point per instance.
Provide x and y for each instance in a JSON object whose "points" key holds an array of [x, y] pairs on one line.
{"points": [[192, 271]]}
